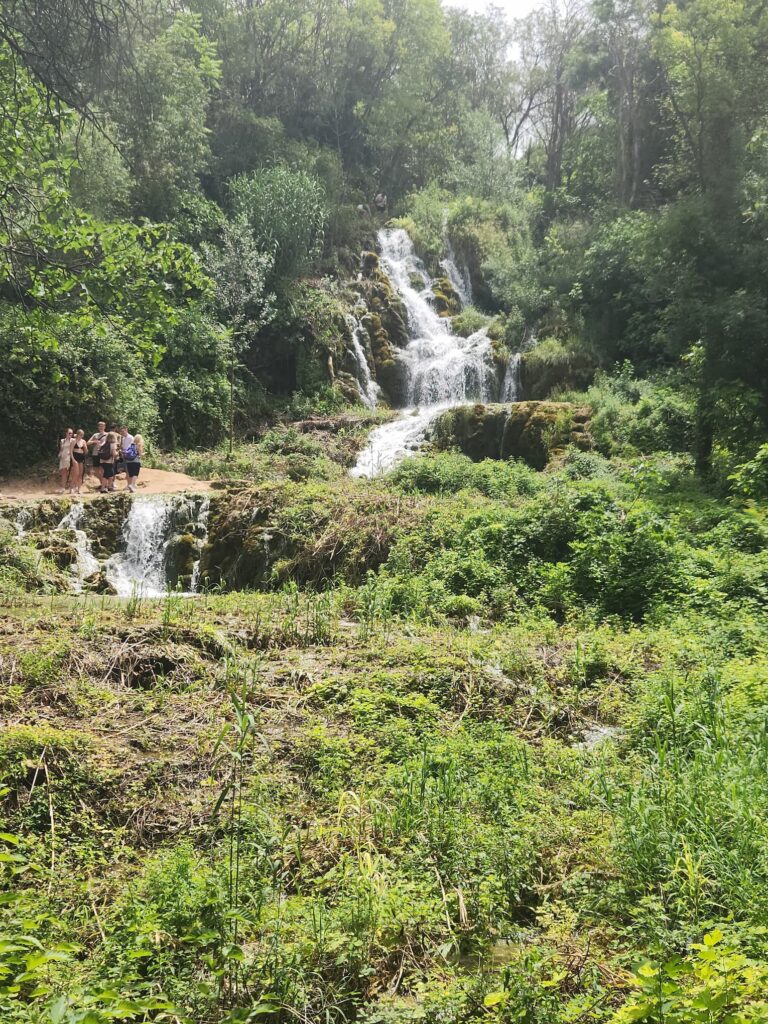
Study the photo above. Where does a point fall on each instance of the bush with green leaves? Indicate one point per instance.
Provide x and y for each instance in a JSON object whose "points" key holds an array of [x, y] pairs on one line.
{"points": [[286, 212], [717, 981]]}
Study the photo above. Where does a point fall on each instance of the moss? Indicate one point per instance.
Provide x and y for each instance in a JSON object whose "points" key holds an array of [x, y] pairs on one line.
{"points": [[552, 364], [180, 556], [531, 431], [305, 532], [103, 520], [469, 321], [446, 300], [416, 282], [369, 262]]}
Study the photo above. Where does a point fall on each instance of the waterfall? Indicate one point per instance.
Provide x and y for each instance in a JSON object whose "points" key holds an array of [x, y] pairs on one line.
{"points": [[369, 389], [459, 277], [86, 564], [140, 566], [22, 522], [438, 368], [152, 524], [202, 528], [510, 388]]}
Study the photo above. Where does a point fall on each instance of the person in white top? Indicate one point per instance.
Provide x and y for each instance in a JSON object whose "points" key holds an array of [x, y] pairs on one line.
{"points": [[65, 457]]}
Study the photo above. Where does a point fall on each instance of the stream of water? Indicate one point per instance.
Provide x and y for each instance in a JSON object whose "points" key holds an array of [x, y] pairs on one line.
{"points": [[438, 369], [140, 566]]}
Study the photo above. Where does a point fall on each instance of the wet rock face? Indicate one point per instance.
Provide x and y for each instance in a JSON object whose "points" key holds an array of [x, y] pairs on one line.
{"points": [[531, 431], [386, 321]]}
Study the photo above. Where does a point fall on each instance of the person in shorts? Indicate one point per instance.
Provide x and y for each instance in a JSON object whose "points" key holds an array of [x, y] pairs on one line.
{"points": [[133, 462], [108, 462], [129, 457], [95, 441]]}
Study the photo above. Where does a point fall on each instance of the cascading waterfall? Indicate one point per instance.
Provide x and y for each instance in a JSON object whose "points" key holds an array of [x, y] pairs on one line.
{"points": [[458, 276], [22, 522], [140, 567], [510, 388], [202, 524], [86, 564], [369, 389], [438, 368]]}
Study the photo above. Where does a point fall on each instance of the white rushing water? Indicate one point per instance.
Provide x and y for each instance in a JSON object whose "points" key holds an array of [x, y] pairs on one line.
{"points": [[140, 567], [458, 276], [510, 388], [369, 389], [150, 526], [22, 522], [87, 564], [202, 522], [438, 368]]}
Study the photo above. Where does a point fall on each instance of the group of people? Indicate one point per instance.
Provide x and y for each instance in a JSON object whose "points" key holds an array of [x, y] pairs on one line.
{"points": [[112, 452]]}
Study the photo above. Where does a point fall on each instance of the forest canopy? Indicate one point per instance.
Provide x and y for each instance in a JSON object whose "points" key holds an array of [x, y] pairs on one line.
{"points": [[184, 184]]}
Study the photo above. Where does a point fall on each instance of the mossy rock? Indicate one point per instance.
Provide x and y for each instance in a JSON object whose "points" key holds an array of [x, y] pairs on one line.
{"points": [[417, 282], [99, 584], [531, 431], [445, 298], [58, 547], [181, 553], [369, 262], [552, 364], [103, 520]]}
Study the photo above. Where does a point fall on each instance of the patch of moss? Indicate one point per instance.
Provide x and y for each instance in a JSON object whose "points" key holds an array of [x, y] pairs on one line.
{"points": [[445, 298], [531, 431]]}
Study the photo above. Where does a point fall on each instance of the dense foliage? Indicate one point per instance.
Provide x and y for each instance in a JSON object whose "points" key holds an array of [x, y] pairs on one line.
{"points": [[599, 167], [469, 742]]}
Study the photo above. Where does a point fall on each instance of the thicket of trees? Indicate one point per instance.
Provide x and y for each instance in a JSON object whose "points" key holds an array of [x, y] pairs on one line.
{"points": [[176, 180]]}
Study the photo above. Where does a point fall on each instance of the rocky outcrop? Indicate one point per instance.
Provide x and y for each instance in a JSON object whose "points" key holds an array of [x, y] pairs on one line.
{"points": [[386, 321], [531, 431], [446, 300], [552, 364]]}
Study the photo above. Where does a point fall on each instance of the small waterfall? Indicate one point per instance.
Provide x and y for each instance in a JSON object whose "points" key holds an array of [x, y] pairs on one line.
{"points": [[438, 368], [510, 388], [459, 277], [22, 522], [140, 566], [369, 389], [202, 529], [86, 564]]}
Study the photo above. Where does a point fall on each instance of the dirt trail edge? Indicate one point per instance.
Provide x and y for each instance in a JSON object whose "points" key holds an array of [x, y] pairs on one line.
{"points": [[151, 481]]}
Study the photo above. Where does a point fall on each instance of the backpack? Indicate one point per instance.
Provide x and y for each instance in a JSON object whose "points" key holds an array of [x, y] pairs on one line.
{"points": [[130, 454], [105, 452]]}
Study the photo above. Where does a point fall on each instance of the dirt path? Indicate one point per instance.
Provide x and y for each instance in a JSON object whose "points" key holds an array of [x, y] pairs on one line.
{"points": [[151, 481]]}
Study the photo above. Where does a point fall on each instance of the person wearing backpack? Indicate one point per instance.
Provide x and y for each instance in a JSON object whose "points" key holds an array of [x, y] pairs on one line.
{"points": [[131, 453]]}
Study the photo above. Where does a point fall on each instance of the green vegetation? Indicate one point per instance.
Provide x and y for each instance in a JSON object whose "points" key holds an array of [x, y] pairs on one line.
{"points": [[487, 745], [480, 740]]}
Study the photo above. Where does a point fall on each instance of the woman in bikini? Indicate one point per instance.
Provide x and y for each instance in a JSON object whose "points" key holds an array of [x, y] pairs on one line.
{"points": [[79, 451], [65, 458]]}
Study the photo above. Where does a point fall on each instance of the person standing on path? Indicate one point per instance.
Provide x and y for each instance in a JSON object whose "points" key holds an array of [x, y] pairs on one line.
{"points": [[95, 441], [65, 458], [79, 451], [107, 461], [132, 449]]}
